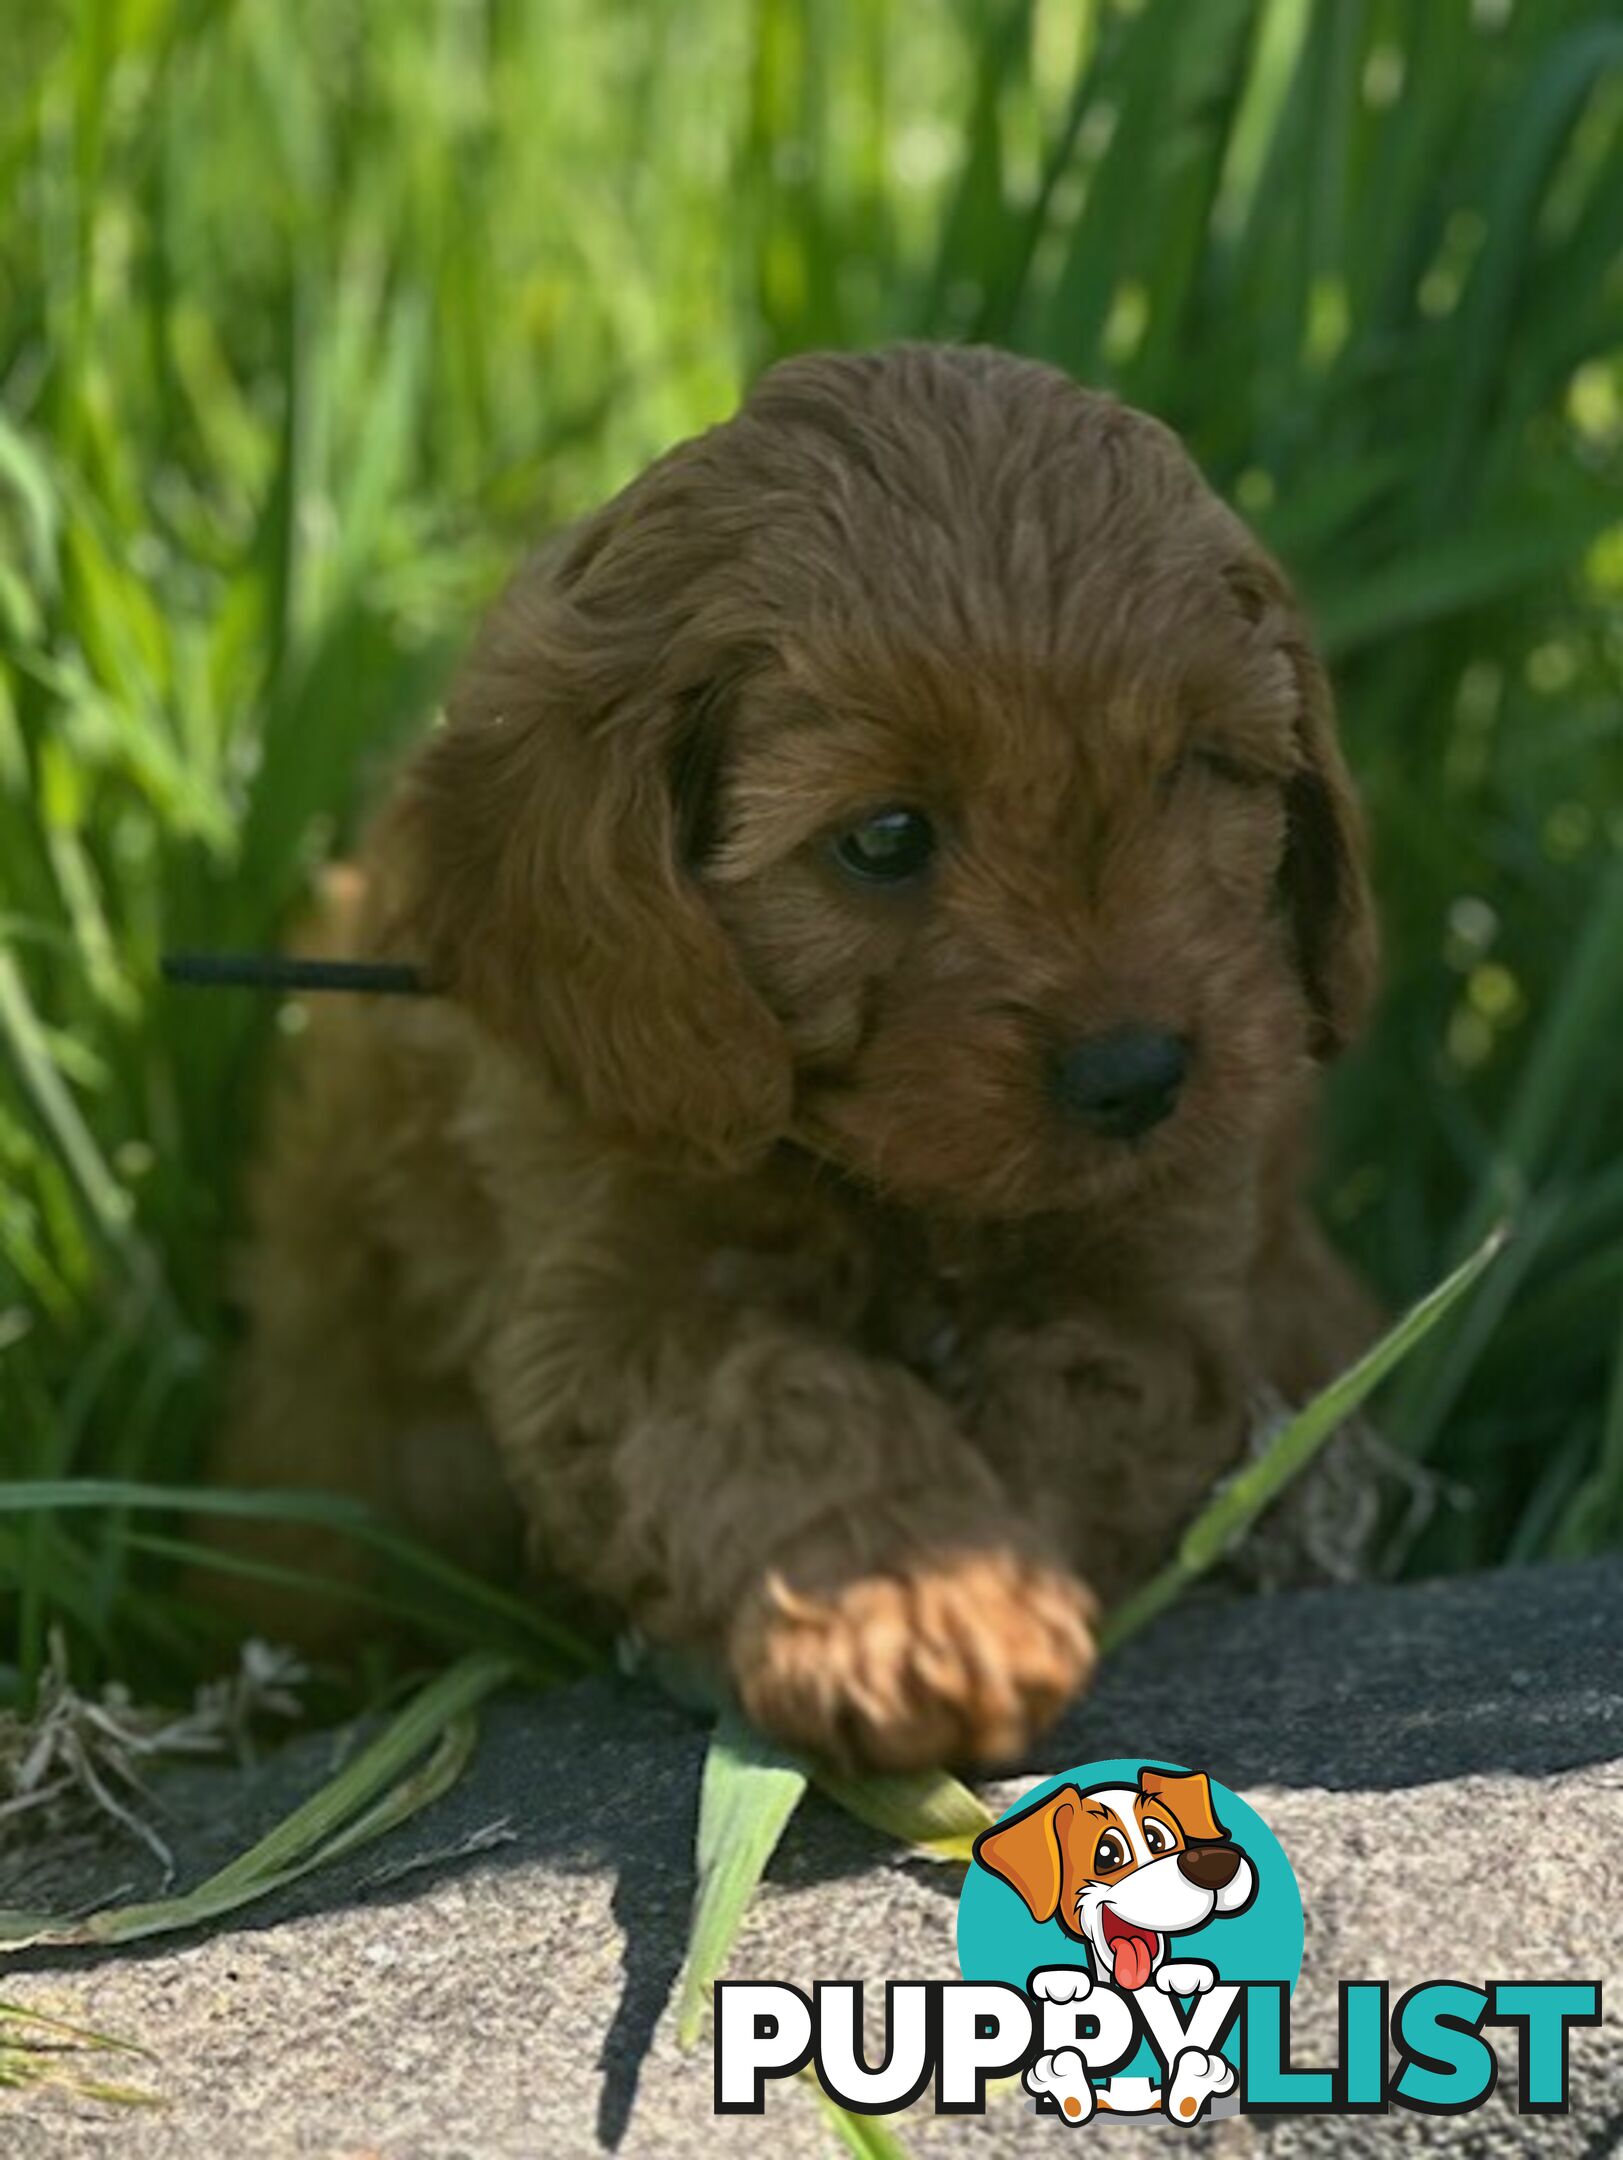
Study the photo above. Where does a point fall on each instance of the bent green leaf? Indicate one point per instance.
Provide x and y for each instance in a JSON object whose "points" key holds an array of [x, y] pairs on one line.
{"points": [[931, 1811], [749, 1791]]}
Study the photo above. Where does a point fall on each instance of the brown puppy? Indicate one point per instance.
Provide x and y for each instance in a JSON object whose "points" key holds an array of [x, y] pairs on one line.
{"points": [[892, 879]]}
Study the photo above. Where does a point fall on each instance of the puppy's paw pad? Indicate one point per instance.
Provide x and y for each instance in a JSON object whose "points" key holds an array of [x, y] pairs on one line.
{"points": [[1062, 1983], [945, 1658]]}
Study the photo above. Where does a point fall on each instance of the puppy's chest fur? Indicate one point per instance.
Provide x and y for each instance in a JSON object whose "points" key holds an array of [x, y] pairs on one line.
{"points": [[1077, 1371], [1079, 1364]]}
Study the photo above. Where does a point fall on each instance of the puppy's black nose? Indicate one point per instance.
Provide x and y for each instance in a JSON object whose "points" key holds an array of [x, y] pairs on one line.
{"points": [[1209, 1867], [1122, 1083]]}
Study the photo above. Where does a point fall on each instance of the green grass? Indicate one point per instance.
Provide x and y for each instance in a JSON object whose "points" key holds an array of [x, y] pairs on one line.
{"points": [[751, 1786], [311, 313], [38, 2051]]}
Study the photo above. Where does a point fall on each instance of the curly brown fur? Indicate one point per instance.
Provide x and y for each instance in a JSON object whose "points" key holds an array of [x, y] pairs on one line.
{"points": [[721, 1213]]}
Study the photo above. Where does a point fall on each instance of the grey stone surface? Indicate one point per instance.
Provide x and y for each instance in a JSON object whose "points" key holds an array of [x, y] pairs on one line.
{"points": [[1443, 1764]]}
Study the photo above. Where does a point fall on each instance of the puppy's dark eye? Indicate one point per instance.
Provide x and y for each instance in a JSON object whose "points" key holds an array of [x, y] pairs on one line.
{"points": [[1157, 1836], [887, 848], [1110, 1853]]}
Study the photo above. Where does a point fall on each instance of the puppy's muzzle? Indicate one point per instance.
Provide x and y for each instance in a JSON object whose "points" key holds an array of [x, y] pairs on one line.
{"points": [[1121, 1084], [1209, 1867]]}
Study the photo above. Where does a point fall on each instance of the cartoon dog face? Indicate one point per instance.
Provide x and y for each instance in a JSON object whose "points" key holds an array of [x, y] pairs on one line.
{"points": [[1123, 1868]]}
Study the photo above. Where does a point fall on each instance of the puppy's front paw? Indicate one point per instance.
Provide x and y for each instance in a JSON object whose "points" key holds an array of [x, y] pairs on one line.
{"points": [[947, 1657]]}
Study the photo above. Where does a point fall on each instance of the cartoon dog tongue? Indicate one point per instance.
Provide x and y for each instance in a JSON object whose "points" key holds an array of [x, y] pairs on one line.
{"points": [[1133, 1949]]}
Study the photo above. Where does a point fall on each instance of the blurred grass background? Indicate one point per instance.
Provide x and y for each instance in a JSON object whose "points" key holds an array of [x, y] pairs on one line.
{"points": [[313, 312]]}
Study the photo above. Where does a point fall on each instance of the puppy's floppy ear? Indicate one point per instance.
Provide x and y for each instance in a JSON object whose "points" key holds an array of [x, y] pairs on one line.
{"points": [[543, 882], [1026, 1851], [1325, 876], [1189, 1797], [1323, 879]]}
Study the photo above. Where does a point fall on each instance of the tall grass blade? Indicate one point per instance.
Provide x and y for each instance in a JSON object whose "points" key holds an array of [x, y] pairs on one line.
{"points": [[1232, 1511], [323, 1511], [1582, 1012]]}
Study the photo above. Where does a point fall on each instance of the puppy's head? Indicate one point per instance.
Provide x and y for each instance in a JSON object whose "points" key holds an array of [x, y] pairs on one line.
{"points": [[1123, 1867], [923, 767]]}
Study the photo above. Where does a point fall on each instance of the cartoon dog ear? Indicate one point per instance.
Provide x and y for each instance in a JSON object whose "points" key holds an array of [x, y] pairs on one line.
{"points": [[1026, 1851], [1324, 876], [543, 858], [1189, 1797]]}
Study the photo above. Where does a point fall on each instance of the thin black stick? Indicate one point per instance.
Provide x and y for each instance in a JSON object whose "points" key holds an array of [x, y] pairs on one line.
{"points": [[260, 971]]}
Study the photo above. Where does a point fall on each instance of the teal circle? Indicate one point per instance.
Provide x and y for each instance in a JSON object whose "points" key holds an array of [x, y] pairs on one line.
{"points": [[999, 1940]]}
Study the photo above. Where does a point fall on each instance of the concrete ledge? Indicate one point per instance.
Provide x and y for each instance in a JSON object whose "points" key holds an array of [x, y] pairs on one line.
{"points": [[1443, 1764]]}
